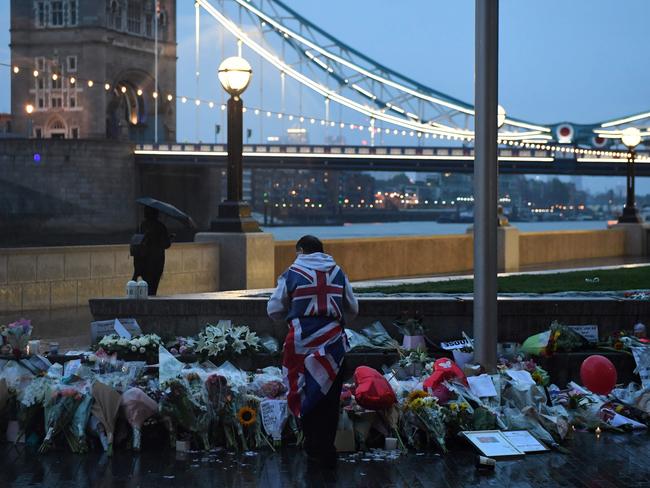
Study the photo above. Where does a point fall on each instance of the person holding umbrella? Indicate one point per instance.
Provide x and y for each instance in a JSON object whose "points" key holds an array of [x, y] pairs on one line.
{"points": [[149, 254]]}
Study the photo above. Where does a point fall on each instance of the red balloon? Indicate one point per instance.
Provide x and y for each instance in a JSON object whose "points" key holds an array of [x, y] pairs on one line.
{"points": [[598, 374]]}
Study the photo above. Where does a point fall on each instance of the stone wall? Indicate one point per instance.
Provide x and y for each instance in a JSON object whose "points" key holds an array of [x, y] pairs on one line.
{"points": [[56, 277], [538, 248], [67, 188], [391, 257], [396, 257]]}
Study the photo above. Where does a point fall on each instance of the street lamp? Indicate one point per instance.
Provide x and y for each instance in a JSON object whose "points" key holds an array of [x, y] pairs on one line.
{"points": [[234, 215], [29, 109], [631, 137]]}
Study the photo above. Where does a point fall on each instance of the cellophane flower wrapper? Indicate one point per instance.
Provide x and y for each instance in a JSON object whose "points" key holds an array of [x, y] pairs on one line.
{"points": [[185, 411], [378, 337], [59, 411], [75, 431], [137, 407], [18, 334]]}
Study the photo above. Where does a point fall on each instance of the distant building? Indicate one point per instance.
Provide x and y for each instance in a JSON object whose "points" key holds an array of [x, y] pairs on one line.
{"points": [[6, 125], [87, 68]]}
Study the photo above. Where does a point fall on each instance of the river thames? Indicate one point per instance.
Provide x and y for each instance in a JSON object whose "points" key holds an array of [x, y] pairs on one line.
{"points": [[392, 229]]}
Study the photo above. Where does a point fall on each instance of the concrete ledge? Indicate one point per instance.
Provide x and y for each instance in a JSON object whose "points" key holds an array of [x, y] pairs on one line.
{"points": [[446, 318]]}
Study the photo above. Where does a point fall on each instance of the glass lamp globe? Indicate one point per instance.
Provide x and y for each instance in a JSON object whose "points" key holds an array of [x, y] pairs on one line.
{"points": [[29, 108], [235, 74], [631, 137], [501, 116]]}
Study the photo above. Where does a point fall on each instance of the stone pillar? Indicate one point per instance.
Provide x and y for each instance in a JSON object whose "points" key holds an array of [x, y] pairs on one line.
{"points": [[636, 238], [246, 260], [507, 249]]}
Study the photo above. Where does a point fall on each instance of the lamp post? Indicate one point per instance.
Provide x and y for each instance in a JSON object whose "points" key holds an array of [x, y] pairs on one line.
{"points": [[631, 137], [234, 215], [29, 109]]}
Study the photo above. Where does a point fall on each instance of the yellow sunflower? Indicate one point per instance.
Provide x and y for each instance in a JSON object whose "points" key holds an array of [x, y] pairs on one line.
{"points": [[247, 416], [416, 394]]}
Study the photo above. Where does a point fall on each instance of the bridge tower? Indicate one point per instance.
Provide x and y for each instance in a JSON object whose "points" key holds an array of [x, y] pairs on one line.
{"points": [[108, 47]]}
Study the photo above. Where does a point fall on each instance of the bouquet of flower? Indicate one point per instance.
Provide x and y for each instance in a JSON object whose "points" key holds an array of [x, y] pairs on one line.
{"points": [[17, 335], [182, 345], [422, 414], [104, 410], [564, 339], [75, 431], [224, 340], [180, 408], [411, 326], [31, 402], [138, 407], [58, 414], [146, 344]]}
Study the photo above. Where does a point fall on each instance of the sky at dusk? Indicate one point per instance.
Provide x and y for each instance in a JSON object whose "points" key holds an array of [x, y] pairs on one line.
{"points": [[580, 60]]}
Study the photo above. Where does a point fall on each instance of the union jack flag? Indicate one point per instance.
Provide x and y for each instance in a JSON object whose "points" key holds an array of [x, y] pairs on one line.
{"points": [[316, 343]]}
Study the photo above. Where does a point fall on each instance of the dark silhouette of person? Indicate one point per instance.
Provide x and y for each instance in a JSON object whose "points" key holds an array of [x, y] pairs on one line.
{"points": [[150, 263]]}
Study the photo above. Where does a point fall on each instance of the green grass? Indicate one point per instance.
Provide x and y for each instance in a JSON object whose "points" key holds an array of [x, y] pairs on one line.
{"points": [[609, 280]]}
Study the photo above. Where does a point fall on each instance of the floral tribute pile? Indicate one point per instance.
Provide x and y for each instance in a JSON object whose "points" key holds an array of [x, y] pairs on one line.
{"points": [[130, 393]]}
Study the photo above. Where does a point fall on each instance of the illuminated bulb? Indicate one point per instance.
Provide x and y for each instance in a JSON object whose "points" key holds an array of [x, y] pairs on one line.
{"points": [[257, 111], [184, 100], [107, 87], [268, 114], [290, 117], [211, 104], [29, 108], [154, 94], [73, 80], [322, 122], [387, 131], [170, 97], [411, 133], [341, 125], [332, 124], [90, 83], [395, 131], [361, 127], [302, 119], [139, 92], [35, 73], [403, 132], [123, 89], [279, 116], [55, 76], [197, 102], [244, 110], [16, 69], [311, 121]]}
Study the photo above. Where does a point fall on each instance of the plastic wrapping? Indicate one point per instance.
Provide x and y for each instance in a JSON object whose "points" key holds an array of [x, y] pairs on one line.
{"points": [[168, 366], [269, 345]]}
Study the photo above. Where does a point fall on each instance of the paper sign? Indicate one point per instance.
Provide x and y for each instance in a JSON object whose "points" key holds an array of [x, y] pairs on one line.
{"points": [[101, 328], [121, 331], [274, 414], [589, 332], [457, 344], [521, 376], [482, 386], [492, 443], [524, 441], [642, 359]]}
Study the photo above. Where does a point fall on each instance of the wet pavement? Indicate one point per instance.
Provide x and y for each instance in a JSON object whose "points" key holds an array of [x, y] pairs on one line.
{"points": [[612, 460]]}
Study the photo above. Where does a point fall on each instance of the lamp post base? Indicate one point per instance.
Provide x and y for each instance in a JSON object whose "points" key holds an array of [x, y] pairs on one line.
{"points": [[234, 216], [630, 215]]}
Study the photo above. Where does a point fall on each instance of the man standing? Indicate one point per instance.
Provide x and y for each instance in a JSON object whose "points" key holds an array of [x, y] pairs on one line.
{"points": [[150, 259], [312, 296]]}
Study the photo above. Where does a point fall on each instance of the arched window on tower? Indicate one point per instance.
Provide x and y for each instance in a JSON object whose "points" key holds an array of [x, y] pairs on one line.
{"points": [[134, 17], [115, 15]]}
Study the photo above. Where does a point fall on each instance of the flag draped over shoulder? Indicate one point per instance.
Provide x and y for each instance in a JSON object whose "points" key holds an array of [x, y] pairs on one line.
{"points": [[316, 343]]}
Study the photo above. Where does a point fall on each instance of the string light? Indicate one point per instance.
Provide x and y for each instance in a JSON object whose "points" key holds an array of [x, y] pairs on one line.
{"points": [[503, 140]]}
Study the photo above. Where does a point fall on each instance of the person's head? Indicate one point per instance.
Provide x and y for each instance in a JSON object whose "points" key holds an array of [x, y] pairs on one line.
{"points": [[308, 245], [150, 213]]}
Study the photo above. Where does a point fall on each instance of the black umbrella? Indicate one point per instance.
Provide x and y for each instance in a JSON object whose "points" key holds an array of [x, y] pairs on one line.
{"points": [[168, 209]]}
